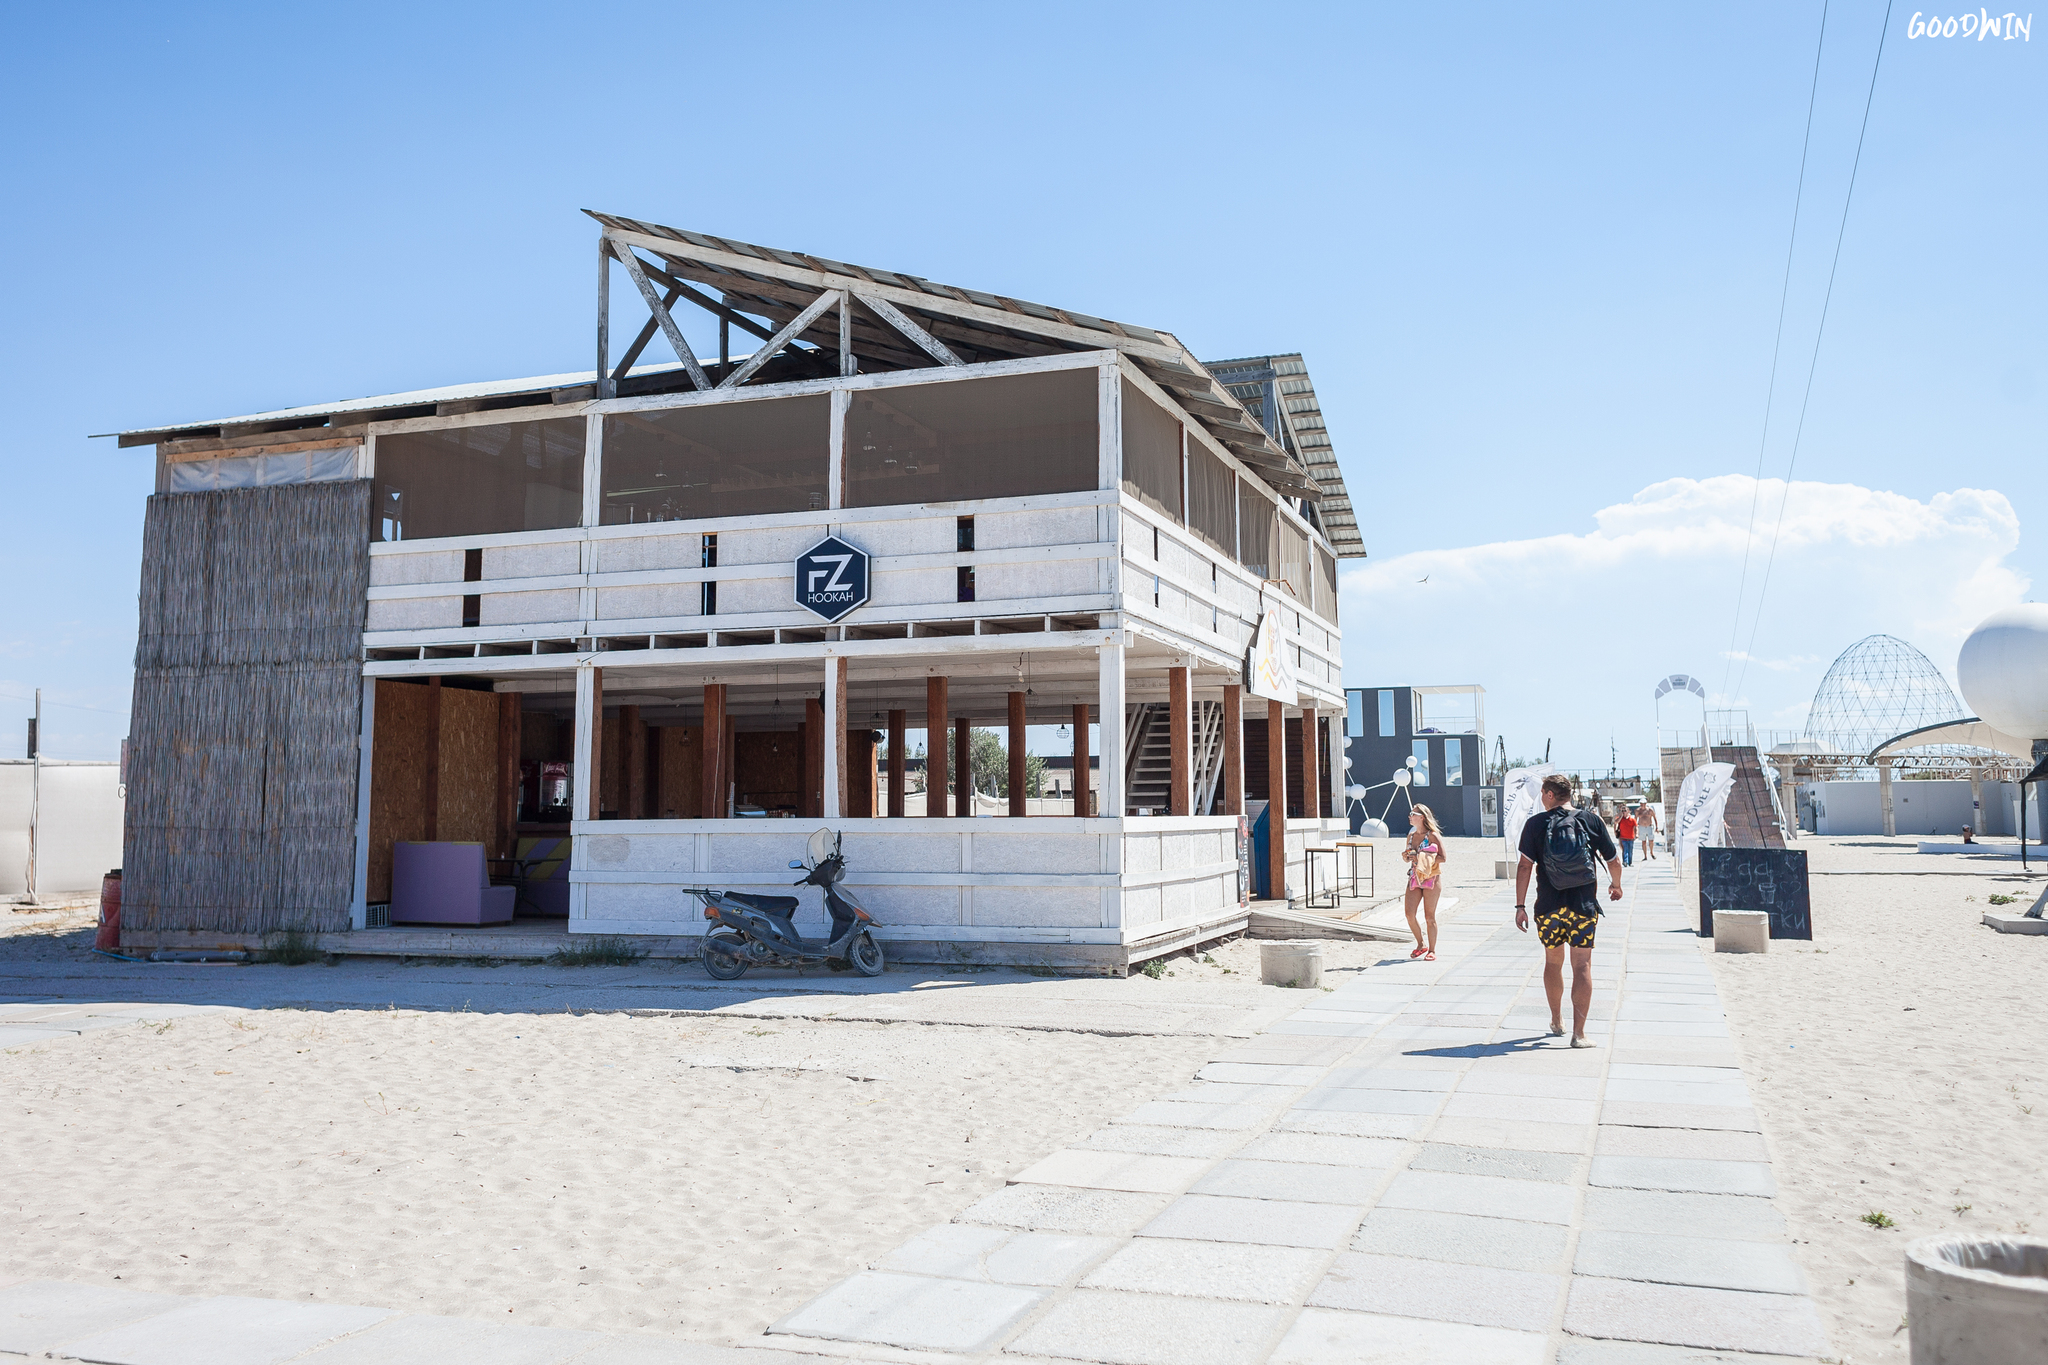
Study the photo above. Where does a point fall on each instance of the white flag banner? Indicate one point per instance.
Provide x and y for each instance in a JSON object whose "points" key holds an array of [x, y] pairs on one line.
{"points": [[1521, 799], [1702, 801]]}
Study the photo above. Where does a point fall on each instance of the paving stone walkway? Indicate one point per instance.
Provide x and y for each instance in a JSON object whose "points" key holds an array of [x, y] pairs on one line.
{"points": [[1407, 1169]]}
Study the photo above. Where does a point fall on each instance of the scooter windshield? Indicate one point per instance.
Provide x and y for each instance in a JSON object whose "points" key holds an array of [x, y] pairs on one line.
{"points": [[821, 845]]}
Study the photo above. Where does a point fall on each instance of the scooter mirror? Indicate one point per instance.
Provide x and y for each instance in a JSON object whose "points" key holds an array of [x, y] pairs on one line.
{"points": [[796, 863]]}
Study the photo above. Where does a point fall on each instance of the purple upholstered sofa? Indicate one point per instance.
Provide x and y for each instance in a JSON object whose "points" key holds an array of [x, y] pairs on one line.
{"points": [[445, 883]]}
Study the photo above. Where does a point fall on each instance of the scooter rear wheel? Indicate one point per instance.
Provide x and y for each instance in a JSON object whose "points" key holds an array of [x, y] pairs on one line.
{"points": [[723, 966], [866, 956]]}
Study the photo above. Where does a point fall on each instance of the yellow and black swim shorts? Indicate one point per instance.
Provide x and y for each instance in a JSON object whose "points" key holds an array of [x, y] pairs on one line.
{"points": [[1567, 926]]}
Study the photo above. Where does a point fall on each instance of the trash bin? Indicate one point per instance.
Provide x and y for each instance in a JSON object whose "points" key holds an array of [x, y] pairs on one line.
{"points": [[109, 935], [1977, 1301]]}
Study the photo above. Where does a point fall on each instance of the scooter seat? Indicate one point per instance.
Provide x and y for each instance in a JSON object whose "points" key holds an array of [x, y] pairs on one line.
{"points": [[771, 905]]}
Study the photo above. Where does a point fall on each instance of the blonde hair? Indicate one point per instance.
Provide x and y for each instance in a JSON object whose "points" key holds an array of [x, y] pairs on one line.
{"points": [[1429, 824]]}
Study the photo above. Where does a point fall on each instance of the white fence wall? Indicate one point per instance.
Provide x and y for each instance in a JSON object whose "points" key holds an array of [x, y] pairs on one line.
{"points": [[1922, 808], [79, 832]]}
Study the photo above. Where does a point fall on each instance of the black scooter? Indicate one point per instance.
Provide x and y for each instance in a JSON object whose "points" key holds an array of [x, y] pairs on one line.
{"points": [[758, 931]]}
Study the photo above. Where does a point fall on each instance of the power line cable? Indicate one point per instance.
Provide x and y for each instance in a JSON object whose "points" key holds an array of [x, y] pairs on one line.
{"points": [[1813, 365], [1777, 347], [68, 705]]}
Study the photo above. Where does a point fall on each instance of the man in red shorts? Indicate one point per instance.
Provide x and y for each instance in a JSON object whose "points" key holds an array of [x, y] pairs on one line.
{"points": [[1562, 847]]}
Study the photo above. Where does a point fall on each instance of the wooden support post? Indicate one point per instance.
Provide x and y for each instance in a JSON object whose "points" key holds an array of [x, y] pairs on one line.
{"points": [[1276, 800], [633, 764], [508, 774], [1233, 749], [848, 364], [593, 806], [935, 747], [430, 780], [835, 737], [963, 767], [728, 767], [1081, 785], [1017, 744], [711, 804], [1311, 767], [605, 387], [899, 721], [1180, 718], [814, 757]]}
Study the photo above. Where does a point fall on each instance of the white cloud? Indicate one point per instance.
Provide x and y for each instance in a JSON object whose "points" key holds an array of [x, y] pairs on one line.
{"points": [[1570, 633]]}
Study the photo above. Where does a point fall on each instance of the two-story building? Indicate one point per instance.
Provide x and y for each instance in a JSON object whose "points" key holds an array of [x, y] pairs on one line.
{"points": [[1436, 736], [565, 614]]}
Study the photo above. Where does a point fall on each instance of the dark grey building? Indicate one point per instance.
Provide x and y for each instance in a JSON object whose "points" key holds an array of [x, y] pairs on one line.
{"points": [[1438, 734]]}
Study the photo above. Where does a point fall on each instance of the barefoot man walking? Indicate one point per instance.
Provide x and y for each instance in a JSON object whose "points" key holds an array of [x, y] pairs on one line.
{"points": [[1560, 846]]}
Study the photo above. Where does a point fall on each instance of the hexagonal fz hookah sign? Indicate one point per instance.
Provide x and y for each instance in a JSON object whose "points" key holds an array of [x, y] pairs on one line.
{"points": [[831, 578]]}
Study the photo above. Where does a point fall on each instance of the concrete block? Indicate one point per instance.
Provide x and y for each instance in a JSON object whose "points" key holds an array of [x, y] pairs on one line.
{"points": [[1289, 962], [1483, 1296], [1975, 1301], [912, 1311], [1270, 1222], [1504, 1243], [1209, 1270], [1680, 1315], [1150, 1329], [1707, 1262], [35, 1315], [1330, 1336], [226, 1331], [1312, 1184], [1742, 931], [1113, 1171], [2006, 922]]}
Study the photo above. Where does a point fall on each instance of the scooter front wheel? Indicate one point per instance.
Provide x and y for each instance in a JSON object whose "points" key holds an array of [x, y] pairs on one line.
{"points": [[866, 956], [723, 966]]}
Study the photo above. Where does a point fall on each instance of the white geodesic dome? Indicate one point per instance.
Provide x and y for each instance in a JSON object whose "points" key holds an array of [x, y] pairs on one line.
{"points": [[1876, 689]]}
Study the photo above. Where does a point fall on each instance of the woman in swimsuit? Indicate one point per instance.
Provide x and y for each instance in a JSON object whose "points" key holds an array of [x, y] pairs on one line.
{"points": [[1424, 854]]}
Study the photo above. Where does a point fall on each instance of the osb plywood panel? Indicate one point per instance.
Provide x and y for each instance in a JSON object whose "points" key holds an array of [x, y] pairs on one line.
{"points": [[469, 766], [398, 775], [768, 767], [680, 777]]}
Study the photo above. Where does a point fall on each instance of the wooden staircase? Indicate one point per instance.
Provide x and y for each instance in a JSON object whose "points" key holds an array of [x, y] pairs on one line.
{"points": [[1751, 816]]}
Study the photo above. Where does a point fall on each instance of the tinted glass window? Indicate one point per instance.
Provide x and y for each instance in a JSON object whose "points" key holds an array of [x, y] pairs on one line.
{"points": [[1421, 768], [479, 480], [717, 460], [1454, 763], [1151, 471], [978, 438], [1386, 713]]}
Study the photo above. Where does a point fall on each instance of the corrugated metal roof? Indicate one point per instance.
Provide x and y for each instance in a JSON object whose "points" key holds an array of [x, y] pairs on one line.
{"points": [[1277, 389]]}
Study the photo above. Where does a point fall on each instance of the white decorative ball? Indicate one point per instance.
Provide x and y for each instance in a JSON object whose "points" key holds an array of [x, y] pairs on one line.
{"points": [[2003, 669], [1402, 777], [1373, 829]]}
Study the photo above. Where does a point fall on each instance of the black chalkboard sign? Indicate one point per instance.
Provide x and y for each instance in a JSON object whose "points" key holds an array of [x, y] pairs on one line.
{"points": [[1768, 879]]}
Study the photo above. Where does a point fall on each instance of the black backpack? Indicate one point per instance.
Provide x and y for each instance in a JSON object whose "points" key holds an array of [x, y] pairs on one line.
{"points": [[1567, 850]]}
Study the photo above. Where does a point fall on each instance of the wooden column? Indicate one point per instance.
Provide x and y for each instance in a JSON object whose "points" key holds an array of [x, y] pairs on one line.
{"points": [[1233, 749], [508, 774], [1081, 760], [1017, 744], [430, 771], [1311, 767], [935, 746], [1276, 804], [1180, 717], [633, 763], [835, 738], [963, 767], [814, 757], [728, 765], [593, 804], [711, 803], [899, 721]]}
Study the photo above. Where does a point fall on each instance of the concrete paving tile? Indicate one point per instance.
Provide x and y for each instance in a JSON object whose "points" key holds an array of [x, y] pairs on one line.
{"points": [[1351, 1185], [1100, 1170], [1504, 1161], [1321, 1016], [1675, 1014], [1547, 1059], [1521, 1134], [1680, 1116], [37, 1314], [1590, 1351], [1706, 1075], [1734, 1094], [1331, 1336], [1697, 1144], [1309, 1028], [1250, 1073], [1328, 1149], [1434, 1034], [1352, 1125], [1734, 1217], [1659, 1052], [1215, 1092], [1271, 1222], [1363, 1101], [1680, 1315], [225, 1331], [1210, 1270], [1151, 1329], [1485, 1195], [1139, 1137], [1432, 1019], [1483, 1296], [1647, 1028], [1463, 1105], [1057, 1208], [1166, 1114], [1505, 1243], [652, 1350], [1762, 1267], [912, 1311], [1269, 1049], [961, 1251], [1680, 1173], [1538, 1087], [1389, 1078], [455, 1341]]}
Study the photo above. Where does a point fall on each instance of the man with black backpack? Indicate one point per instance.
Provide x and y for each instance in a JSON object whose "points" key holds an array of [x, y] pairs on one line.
{"points": [[1561, 846]]}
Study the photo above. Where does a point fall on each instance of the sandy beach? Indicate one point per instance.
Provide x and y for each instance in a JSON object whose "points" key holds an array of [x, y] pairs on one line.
{"points": [[1899, 1067]]}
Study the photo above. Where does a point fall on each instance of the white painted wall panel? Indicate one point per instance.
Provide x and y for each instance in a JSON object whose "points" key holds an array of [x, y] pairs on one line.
{"points": [[416, 566], [654, 599], [517, 608], [530, 561], [417, 613]]}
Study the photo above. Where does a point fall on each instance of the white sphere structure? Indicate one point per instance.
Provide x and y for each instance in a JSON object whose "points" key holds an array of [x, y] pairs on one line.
{"points": [[2003, 669]]}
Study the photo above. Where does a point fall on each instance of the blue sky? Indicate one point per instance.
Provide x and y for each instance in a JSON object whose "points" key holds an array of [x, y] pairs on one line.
{"points": [[1532, 254]]}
